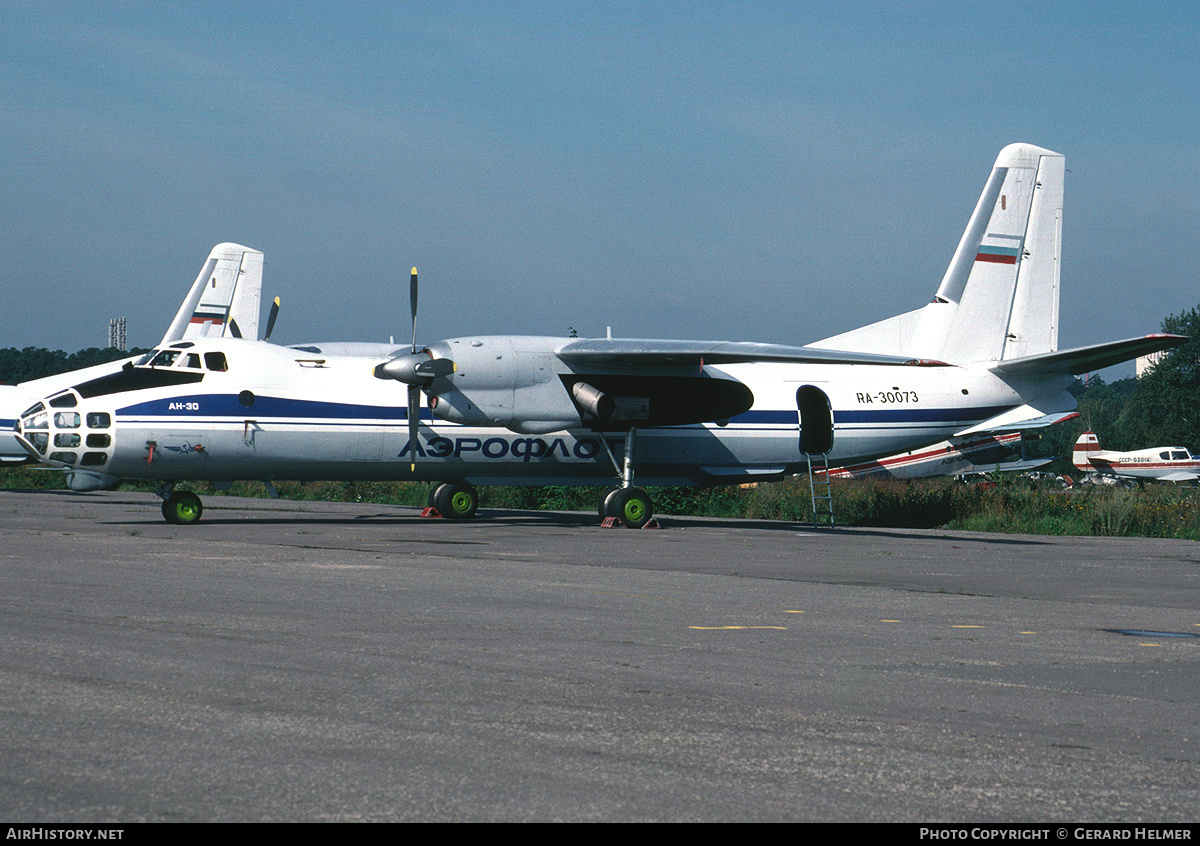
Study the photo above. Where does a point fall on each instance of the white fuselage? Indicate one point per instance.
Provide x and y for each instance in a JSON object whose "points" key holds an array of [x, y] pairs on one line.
{"points": [[275, 413]]}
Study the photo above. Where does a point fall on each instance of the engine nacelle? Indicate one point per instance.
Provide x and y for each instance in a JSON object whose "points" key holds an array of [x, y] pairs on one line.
{"points": [[508, 381], [521, 384]]}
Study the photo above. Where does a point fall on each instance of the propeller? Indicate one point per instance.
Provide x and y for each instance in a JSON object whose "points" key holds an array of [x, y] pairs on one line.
{"points": [[271, 319], [414, 388], [415, 369]]}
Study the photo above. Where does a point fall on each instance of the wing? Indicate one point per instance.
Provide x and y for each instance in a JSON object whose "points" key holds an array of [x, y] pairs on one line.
{"points": [[630, 352], [1179, 476]]}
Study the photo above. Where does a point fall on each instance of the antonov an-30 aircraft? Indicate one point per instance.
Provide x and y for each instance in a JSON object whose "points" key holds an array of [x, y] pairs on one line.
{"points": [[224, 301], [982, 357]]}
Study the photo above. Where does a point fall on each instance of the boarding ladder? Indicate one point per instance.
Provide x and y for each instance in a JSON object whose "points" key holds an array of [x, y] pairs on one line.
{"points": [[822, 491]]}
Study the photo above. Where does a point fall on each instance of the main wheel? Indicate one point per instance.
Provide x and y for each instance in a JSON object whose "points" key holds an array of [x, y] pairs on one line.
{"points": [[606, 504], [456, 500], [182, 508], [632, 505]]}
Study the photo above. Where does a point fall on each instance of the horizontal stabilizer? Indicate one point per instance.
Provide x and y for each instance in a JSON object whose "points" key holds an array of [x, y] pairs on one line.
{"points": [[1086, 359], [1042, 412], [651, 353], [1035, 422]]}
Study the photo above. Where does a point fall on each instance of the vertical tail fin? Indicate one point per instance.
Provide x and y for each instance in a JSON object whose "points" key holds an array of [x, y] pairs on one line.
{"points": [[999, 297], [1087, 445], [225, 295]]}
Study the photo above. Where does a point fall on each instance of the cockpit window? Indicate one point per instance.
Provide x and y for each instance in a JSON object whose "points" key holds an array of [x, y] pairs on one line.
{"points": [[192, 360], [216, 361], [1179, 455], [144, 359], [1164, 455], [64, 400], [165, 358]]}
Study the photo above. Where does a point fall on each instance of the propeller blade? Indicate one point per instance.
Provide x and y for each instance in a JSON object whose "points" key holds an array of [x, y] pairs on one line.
{"points": [[271, 319], [233, 328], [412, 299], [414, 421]]}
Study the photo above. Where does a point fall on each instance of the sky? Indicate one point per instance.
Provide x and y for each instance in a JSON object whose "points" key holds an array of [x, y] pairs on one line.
{"points": [[759, 171]]}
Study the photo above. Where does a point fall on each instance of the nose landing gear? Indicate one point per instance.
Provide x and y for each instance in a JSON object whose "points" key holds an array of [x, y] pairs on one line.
{"points": [[455, 500], [180, 508]]}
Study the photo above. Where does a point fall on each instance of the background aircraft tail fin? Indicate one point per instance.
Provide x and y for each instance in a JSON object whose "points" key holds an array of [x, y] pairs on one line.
{"points": [[1087, 445], [224, 299], [999, 297]]}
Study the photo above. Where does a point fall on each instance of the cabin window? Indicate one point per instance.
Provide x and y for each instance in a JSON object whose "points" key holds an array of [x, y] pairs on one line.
{"points": [[216, 361], [66, 420], [64, 457], [66, 400], [99, 441], [66, 439], [93, 459], [99, 420], [192, 360], [1164, 455], [1179, 455]]}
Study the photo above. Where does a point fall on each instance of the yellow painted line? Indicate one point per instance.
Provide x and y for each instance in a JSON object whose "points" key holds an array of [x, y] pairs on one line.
{"points": [[727, 628], [889, 621], [805, 612], [966, 627]]}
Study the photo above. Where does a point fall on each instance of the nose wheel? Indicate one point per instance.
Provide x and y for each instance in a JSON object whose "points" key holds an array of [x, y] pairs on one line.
{"points": [[455, 500], [182, 508]]}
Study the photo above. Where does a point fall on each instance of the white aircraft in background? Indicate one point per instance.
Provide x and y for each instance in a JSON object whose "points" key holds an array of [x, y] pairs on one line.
{"points": [[1163, 464], [224, 301], [1002, 452], [982, 357]]}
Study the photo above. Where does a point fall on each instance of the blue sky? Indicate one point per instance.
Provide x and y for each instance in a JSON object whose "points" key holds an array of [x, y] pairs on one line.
{"points": [[744, 171]]}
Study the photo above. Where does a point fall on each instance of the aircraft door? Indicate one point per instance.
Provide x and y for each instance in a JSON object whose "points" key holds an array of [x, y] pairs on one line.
{"points": [[816, 420]]}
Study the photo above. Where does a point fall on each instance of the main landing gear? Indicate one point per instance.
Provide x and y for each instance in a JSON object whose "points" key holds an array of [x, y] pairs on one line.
{"points": [[632, 506]]}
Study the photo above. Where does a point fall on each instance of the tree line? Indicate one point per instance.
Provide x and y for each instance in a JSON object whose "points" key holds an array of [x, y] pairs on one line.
{"points": [[1162, 408], [35, 363]]}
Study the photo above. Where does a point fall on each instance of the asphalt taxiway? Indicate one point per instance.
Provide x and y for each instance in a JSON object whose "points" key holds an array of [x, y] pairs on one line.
{"points": [[321, 661]]}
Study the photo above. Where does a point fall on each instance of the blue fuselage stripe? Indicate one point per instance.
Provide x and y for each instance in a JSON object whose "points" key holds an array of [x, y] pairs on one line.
{"points": [[218, 407]]}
